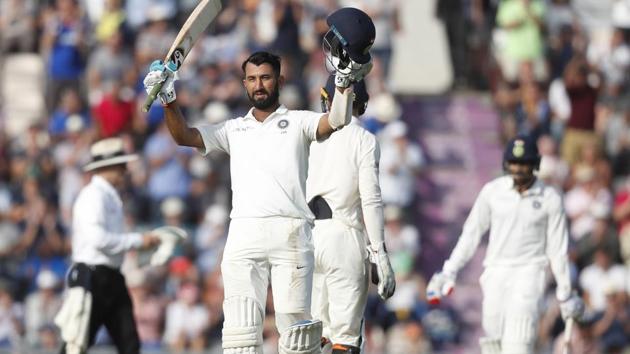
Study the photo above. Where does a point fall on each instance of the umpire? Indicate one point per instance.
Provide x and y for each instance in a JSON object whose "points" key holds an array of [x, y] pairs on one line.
{"points": [[95, 284]]}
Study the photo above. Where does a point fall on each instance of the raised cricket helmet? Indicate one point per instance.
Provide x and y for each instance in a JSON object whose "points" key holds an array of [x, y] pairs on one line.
{"points": [[349, 39], [361, 95], [522, 149]]}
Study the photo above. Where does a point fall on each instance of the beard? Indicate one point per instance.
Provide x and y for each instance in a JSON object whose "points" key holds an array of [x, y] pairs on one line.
{"points": [[523, 179], [267, 102]]}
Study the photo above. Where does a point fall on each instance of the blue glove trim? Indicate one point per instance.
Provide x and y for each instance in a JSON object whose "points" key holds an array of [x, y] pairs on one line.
{"points": [[156, 65]]}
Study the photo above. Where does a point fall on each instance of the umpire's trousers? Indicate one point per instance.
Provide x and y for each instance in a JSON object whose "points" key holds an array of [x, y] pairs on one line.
{"points": [[111, 305]]}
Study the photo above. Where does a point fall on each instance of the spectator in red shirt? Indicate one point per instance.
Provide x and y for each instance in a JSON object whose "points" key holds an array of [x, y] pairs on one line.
{"points": [[580, 128], [115, 112]]}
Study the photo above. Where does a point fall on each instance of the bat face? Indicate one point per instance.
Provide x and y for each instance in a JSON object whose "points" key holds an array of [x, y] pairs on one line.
{"points": [[205, 12]]}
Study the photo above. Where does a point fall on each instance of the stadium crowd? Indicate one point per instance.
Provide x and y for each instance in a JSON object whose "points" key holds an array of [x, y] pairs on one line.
{"points": [[71, 73]]}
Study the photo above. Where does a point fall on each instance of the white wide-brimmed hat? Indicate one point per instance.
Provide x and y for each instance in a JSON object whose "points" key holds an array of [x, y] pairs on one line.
{"points": [[108, 152]]}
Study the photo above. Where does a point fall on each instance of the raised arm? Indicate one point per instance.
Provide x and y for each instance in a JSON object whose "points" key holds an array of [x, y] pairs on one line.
{"points": [[179, 129], [340, 113]]}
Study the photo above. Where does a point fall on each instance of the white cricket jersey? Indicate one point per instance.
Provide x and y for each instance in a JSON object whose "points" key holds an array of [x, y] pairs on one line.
{"points": [[343, 169], [268, 161], [98, 237], [525, 229]]}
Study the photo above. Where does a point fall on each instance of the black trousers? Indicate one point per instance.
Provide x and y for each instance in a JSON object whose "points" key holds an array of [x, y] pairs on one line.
{"points": [[111, 305]]}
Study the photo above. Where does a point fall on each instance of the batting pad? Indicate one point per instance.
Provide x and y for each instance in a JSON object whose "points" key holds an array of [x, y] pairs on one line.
{"points": [[490, 345], [242, 328], [301, 338]]}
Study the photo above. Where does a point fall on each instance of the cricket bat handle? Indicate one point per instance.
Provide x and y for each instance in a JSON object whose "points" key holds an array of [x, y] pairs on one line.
{"points": [[152, 96], [567, 336]]}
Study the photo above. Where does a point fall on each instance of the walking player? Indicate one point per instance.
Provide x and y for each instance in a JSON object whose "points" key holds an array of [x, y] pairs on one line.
{"points": [[345, 198], [528, 231], [270, 233]]}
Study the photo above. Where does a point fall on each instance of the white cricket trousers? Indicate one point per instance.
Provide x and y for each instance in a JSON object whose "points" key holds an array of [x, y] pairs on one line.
{"points": [[512, 298], [340, 281], [277, 249]]}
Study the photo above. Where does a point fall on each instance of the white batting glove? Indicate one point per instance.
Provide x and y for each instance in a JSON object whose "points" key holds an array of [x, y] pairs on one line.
{"points": [[386, 280], [354, 73], [158, 73], [573, 307], [440, 285]]}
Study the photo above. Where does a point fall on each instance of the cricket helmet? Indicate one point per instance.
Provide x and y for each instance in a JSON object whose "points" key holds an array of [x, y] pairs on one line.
{"points": [[522, 149], [349, 39]]}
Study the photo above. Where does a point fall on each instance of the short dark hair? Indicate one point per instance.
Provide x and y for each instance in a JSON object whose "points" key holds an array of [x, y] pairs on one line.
{"points": [[259, 58]]}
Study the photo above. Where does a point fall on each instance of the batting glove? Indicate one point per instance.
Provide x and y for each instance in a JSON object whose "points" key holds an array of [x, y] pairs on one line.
{"points": [[385, 280], [440, 285], [573, 307], [355, 73], [167, 75]]}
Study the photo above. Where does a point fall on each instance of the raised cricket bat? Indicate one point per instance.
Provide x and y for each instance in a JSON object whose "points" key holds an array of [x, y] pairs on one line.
{"points": [[199, 19], [566, 342]]}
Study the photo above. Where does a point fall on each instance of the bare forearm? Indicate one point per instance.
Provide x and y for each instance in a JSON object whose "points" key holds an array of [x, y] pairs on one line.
{"points": [[179, 129]]}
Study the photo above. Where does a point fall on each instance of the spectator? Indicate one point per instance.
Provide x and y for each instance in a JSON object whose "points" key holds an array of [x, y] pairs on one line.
{"points": [[600, 277], [114, 113], [186, 321], [17, 26], [110, 62], [148, 309], [522, 21], [586, 201], [69, 106], [11, 313], [168, 176], [580, 126], [64, 43], [41, 306], [401, 162]]}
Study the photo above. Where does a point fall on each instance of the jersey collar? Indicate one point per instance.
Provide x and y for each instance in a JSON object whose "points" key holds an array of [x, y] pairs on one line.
{"points": [[280, 110]]}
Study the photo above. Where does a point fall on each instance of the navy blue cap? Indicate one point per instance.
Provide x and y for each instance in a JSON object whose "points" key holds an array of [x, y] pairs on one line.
{"points": [[521, 149], [355, 31], [360, 91]]}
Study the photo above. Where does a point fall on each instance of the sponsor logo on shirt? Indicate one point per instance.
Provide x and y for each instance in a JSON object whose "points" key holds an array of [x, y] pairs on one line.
{"points": [[283, 124], [536, 204]]}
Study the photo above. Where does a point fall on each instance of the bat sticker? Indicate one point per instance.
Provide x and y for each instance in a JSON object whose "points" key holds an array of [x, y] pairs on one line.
{"points": [[178, 57]]}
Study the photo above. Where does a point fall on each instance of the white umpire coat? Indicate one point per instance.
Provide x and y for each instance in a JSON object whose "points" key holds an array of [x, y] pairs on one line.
{"points": [[98, 236]]}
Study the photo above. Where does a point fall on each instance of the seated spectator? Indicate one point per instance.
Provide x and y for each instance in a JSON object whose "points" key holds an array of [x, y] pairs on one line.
{"points": [[168, 175], [585, 202], [11, 316], [186, 320], [148, 309], [601, 276], [114, 113], [41, 306], [553, 169], [401, 162], [532, 113], [70, 106]]}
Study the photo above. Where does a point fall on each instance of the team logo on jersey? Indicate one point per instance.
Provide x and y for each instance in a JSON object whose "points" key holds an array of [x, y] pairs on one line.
{"points": [[536, 204], [283, 124]]}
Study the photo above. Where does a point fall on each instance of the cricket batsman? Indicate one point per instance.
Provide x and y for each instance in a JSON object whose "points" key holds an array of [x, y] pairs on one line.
{"points": [[269, 238], [528, 232], [345, 198]]}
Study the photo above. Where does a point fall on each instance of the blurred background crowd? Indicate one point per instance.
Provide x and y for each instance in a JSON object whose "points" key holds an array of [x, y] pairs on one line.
{"points": [[71, 72]]}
